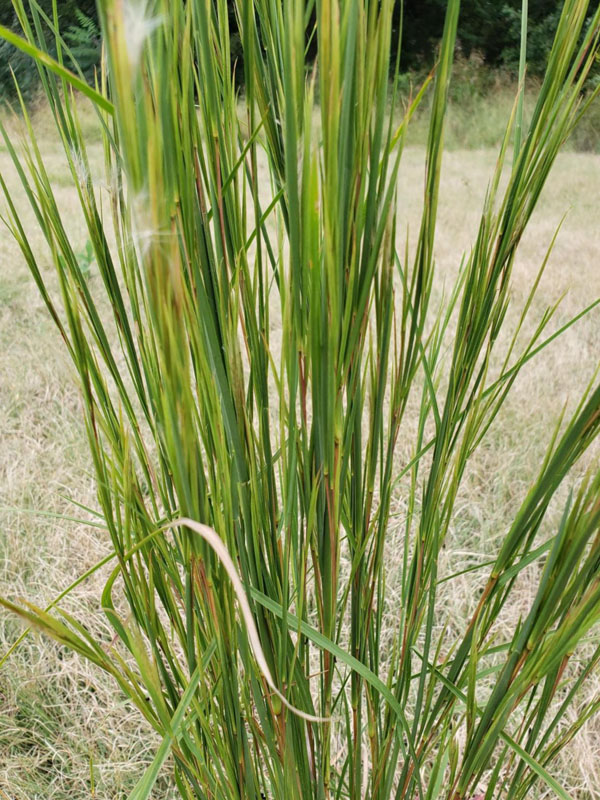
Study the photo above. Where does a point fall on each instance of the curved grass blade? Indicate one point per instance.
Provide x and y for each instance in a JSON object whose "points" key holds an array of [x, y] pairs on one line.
{"points": [[58, 69]]}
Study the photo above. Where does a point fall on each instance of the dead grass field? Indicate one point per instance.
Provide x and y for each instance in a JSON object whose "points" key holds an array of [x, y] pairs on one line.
{"points": [[65, 733]]}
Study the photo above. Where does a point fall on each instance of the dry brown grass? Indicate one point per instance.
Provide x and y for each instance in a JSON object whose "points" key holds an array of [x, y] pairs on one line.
{"points": [[61, 721]]}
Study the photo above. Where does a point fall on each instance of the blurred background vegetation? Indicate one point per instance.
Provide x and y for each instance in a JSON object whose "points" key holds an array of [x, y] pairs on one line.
{"points": [[78, 21], [483, 86]]}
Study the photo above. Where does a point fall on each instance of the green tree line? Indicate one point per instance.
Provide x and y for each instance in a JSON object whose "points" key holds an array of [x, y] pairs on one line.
{"points": [[490, 28]]}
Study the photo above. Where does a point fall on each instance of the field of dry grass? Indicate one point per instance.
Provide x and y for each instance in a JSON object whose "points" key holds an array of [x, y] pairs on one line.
{"points": [[65, 733]]}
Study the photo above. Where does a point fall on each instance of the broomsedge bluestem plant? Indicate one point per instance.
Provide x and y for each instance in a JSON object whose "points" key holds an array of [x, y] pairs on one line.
{"points": [[246, 360]]}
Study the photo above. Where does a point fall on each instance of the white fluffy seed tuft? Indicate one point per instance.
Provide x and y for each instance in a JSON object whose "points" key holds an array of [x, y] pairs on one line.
{"points": [[139, 26]]}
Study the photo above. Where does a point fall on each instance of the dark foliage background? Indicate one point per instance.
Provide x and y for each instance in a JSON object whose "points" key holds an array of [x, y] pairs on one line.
{"points": [[488, 28], [78, 23]]}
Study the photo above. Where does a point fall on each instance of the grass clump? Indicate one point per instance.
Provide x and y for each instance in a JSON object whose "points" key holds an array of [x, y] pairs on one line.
{"points": [[269, 380]]}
